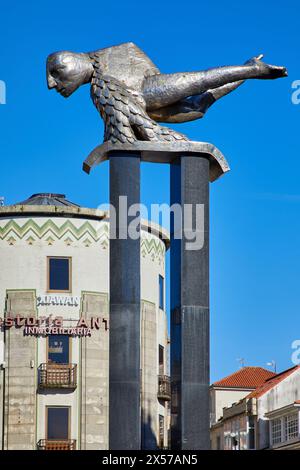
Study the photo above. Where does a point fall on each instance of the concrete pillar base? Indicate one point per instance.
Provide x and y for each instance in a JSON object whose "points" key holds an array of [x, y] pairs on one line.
{"points": [[190, 308], [125, 309]]}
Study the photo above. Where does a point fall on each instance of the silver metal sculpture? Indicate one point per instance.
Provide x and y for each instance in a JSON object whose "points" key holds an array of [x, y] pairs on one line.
{"points": [[132, 95]]}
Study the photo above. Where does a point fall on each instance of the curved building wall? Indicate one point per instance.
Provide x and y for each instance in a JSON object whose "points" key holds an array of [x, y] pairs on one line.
{"points": [[28, 237]]}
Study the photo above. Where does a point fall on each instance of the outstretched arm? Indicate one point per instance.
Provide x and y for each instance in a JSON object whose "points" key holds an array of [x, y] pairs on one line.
{"points": [[192, 107]]}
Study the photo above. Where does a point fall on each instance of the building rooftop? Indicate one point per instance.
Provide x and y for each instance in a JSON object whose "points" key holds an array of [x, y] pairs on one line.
{"points": [[271, 382], [247, 377], [56, 205], [47, 199]]}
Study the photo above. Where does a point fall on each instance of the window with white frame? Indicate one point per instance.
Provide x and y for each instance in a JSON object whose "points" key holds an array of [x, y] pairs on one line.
{"points": [[276, 431], [285, 428], [291, 426]]}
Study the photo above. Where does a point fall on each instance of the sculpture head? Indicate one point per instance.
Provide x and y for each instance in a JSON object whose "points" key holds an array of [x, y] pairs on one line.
{"points": [[67, 71]]}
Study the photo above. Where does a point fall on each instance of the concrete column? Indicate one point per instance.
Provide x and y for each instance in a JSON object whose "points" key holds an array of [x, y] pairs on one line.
{"points": [[190, 310], [124, 349]]}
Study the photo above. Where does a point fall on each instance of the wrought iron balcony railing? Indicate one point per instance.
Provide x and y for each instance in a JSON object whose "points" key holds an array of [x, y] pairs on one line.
{"points": [[57, 376], [56, 444], [164, 388]]}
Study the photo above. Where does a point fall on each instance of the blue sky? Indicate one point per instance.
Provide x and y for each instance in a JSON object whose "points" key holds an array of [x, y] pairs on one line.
{"points": [[255, 225]]}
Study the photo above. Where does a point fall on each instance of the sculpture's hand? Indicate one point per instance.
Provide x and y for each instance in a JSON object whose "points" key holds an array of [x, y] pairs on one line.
{"points": [[268, 71]]}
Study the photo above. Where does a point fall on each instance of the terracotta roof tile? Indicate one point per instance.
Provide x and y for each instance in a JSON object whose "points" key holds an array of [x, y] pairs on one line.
{"points": [[247, 377], [271, 382]]}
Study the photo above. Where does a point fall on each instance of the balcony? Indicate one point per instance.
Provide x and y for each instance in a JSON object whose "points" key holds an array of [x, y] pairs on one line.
{"points": [[56, 444], [164, 388], [57, 376]]}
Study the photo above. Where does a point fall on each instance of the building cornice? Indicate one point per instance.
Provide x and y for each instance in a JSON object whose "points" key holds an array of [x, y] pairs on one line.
{"points": [[16, 211], [282, 411]]}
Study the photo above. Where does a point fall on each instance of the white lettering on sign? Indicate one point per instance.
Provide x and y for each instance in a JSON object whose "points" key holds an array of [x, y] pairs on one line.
{"points": [[54, 330], [58, 300]]}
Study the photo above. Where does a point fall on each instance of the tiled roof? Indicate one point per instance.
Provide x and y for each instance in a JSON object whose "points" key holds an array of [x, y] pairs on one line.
{"points": [[247, 377], [47, 199], [271, 382]]}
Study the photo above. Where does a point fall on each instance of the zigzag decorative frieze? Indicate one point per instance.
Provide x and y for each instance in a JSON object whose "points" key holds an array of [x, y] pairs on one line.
{"points": [[49, 231], [49, 227], [153, 246]]}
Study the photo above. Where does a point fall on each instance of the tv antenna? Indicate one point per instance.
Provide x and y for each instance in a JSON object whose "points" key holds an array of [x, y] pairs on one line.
{"points": [[273, 364], [242, 361]]}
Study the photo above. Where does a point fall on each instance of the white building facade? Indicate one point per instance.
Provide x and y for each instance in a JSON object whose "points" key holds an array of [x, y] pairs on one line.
{"points": [[267, 418], [278, 410], [54, 339]]}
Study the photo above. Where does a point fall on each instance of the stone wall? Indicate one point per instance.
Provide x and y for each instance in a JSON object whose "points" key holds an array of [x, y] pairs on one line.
{"points": [[94, 376], [20, 376], [149, 379]]}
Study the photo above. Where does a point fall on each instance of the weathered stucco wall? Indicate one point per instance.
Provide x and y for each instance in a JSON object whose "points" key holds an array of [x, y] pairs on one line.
{"points": [[224, 398], [149, 376], [283, 394], [20, 376], [94, 377]]}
